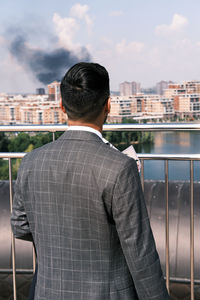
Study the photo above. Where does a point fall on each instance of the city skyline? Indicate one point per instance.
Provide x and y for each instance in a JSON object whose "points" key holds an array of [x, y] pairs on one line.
{"points": [[137, 41], [177, 101]]}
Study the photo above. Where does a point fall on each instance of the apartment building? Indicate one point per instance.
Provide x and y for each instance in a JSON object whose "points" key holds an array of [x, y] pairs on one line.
{"points": [[120, 107], [140, 106], [186, 97], [129, 88], [187, 105], [54, 91], [152, 107], [31, 109]]}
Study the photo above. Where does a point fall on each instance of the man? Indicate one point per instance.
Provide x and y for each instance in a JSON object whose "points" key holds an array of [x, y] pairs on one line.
{"points": [[82, 204]]}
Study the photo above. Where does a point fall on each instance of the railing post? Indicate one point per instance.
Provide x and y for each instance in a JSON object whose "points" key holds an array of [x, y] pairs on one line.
{"points": [[142, 173], [34, 260], [12, 236], [192, 229], [167, 224]]}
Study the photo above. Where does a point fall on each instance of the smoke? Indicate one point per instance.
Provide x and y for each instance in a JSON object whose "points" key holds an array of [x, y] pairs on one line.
{"points": [[46, 66]]}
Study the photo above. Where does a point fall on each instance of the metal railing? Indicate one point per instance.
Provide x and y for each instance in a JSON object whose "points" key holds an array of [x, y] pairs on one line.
{"points": [[164, 157], [107, 127]]}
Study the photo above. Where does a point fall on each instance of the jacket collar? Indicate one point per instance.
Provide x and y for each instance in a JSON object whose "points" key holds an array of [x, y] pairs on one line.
{"points": [[80, 135]]}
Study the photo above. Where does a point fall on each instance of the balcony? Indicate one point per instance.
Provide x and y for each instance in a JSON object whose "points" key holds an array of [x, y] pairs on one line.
{"points": [[174, 212]]}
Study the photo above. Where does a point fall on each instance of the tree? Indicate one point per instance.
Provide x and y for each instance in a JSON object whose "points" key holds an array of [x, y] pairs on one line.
{"points": [[19, 143], [122, 139], [41, 139], [4, 173], [3, 142]]}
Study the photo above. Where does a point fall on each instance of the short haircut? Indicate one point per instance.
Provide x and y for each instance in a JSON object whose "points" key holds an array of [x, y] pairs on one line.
{"points": [[84, 91]]}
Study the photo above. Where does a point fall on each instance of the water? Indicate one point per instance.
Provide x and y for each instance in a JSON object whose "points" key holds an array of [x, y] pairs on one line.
{"points": [[173, 143]]}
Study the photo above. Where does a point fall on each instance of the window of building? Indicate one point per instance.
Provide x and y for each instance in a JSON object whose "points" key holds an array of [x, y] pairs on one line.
{"points": [[56, 117], [40, 117], [12, 113], [139, 106], [29, 117]]}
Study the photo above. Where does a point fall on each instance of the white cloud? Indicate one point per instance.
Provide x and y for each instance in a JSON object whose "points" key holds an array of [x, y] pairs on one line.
{"points": [[127, 48], [66, 28], [183, 44], [116, 13], [89, 47], [178, 22], [81, 12], [177, 25]]}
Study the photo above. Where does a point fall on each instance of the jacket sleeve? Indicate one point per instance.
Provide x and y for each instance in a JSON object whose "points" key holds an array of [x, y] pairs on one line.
{"points": [[135, 234], [19, 221]]}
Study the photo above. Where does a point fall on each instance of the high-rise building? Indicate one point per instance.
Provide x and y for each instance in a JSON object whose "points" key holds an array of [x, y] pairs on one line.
{"points": [[54, 91], [162, 86], [40, 91], [129, 88], [136, 87], [125, 88]]}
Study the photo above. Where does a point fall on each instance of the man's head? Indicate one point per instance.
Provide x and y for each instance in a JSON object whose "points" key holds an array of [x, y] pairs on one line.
{"points": [[85, 91]]}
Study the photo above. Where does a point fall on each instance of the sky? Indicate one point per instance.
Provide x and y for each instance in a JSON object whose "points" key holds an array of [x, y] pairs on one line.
{"points": [[136, 40]]}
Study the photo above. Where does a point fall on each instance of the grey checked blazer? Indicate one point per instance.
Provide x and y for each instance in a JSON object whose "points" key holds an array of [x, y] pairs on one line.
{"points": [[81, 202]]}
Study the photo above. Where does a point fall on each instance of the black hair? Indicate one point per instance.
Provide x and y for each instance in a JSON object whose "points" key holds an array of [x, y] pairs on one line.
{"points": [[85, 90]]}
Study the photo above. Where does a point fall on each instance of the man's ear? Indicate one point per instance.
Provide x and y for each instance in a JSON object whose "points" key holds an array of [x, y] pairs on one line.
{"points": [[108, 105], [62, 107]]}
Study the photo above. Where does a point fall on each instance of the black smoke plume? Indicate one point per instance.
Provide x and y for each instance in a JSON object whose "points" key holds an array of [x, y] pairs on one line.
{"points": [[46, 66]]}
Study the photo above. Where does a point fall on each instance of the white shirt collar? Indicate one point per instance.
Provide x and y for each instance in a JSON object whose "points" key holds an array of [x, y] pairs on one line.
{"points": [[90, 129], [86, 128]]}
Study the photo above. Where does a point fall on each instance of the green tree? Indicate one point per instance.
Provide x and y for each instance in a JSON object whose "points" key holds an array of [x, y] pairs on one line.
{"points": [[122, 139], [126, 120], [4, 173], [40, 139], [3, 142], [19, 143], [23, 142]]}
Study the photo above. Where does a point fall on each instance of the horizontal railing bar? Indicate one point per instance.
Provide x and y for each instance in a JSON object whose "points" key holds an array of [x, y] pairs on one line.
{"points": [[33, 128], [107, 127], [162, 156], [144, 156], [12, 154], [183, 280], [20, 271], [152, 127]]}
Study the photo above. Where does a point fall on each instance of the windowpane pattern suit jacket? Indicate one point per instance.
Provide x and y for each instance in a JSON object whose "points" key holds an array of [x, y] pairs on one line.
{"points": [[82, 204]]}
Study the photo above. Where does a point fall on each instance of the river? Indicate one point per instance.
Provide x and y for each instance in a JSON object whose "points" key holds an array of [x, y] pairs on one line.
{"points": [[173, 143]]}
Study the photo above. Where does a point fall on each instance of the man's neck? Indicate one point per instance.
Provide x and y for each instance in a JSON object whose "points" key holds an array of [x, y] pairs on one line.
{"points": [[80, 123]]}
